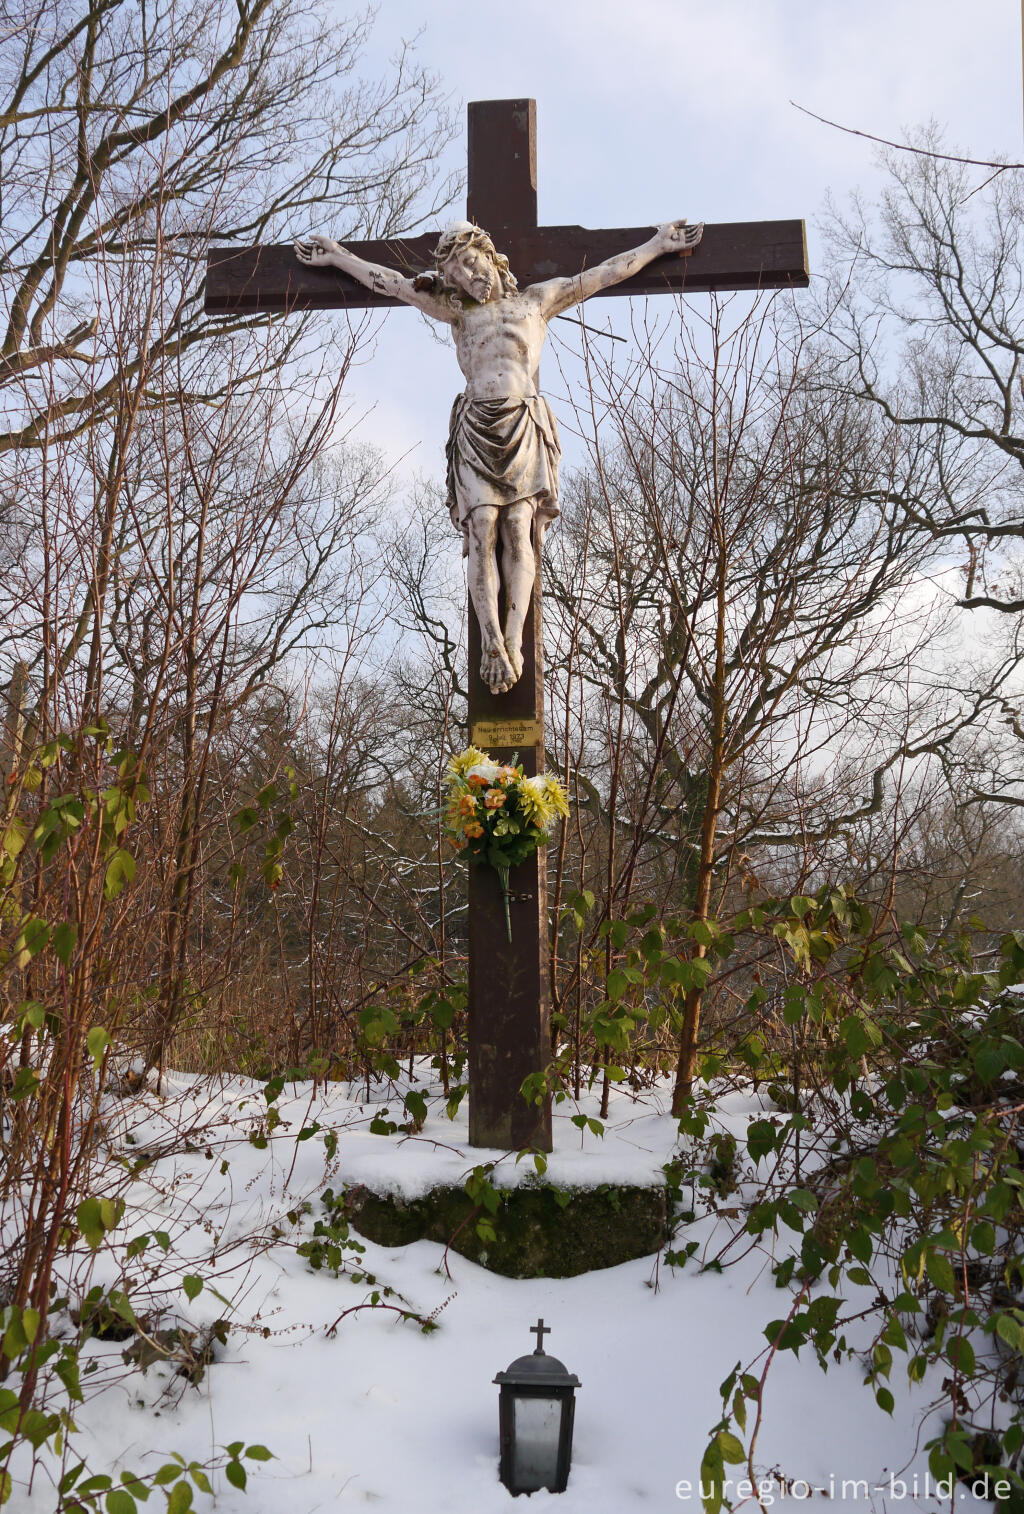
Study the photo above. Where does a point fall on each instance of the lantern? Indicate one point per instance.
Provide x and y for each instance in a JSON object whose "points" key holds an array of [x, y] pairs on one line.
{"points": [[536, 1406]]}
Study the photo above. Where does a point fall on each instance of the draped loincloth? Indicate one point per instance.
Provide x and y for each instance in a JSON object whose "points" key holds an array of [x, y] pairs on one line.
{"points": [[500, 452]]}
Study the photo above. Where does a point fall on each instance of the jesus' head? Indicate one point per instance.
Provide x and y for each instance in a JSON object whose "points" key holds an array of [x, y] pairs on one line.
{"points": [[469, 264]]}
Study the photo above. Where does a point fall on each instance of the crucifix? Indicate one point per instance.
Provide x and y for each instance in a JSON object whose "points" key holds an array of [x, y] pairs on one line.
{"points": [[503, 486]]}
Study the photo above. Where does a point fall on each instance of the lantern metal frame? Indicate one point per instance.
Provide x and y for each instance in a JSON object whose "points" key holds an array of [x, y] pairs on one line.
{"points": [[536, 1376]]}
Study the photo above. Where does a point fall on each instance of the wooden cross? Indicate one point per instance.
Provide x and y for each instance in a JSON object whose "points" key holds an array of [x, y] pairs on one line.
{"points": [[509, 990], [540, 1330]]}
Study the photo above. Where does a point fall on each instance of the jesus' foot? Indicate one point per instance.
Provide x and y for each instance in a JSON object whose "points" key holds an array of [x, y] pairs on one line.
{"points": [[496, 668], [514, 648]]}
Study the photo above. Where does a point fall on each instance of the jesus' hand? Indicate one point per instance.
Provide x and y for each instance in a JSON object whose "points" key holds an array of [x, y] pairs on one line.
{"points": [[678, 236], [318, 251]]}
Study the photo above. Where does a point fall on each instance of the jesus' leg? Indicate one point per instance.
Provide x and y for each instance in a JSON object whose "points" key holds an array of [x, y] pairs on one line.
{"points": [[518, 569], [496, 669]]}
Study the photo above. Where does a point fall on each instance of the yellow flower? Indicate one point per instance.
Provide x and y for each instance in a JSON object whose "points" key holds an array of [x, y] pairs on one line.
{"points": [[460, 765], [542, 799]]}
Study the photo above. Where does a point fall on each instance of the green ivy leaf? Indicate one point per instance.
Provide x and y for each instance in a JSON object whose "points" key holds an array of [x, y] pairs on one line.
{"points": [[121, 1306], [989, 1061], [37, 1428], [416, 1105], [111, 1211], [119, 1501], [63, 941], [120, 870], [859, 1242], [940, 1272], [30, 941], [1010, 1331], [960, 1354], [135, 1486], [180, 1499], [983, 1238], [616, 984], [730, 1448], [89, 1222], [761, 1137], [97, 1042], [26, 1083]]}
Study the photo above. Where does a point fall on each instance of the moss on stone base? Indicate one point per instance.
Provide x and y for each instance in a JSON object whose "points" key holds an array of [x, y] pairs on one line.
{"points": [[540, 1231]]}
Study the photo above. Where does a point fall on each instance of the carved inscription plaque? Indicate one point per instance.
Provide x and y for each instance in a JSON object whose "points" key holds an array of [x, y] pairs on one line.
{"points": [[489, 734]]}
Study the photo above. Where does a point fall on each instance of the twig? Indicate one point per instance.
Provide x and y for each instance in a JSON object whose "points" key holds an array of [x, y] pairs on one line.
{"points": [[922, 152], [612, 335]]}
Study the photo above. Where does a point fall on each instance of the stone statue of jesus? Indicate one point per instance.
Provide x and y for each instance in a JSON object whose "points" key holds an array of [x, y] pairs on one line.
{"points": [[503, 449]]}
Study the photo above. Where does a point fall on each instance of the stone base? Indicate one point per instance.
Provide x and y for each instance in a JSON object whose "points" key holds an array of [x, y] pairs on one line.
{"points": [[540, 1231]]}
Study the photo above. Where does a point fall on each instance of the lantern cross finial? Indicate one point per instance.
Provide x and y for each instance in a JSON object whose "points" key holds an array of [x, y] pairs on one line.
{"points": [[540, 1330]]}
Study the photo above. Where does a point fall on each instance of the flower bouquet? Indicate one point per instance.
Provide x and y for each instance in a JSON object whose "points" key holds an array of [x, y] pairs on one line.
{"points": [[497, 815]]}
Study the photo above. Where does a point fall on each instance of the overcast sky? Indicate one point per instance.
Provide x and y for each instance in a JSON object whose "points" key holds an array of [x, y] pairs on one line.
{"points": [[651, 109]]}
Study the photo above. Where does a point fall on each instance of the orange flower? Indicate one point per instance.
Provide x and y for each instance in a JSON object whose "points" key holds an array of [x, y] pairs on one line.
{"points": [[467, 805], [475, 781], [494, 799], [474, 829], [458, 843]]}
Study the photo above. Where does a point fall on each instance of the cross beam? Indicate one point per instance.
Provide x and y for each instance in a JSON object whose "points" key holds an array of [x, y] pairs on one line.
{"points": [[502, 198], [731, 255]]}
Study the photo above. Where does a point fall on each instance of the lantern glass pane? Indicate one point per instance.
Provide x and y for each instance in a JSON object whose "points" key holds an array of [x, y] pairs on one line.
{"points": [[537, 1433]]}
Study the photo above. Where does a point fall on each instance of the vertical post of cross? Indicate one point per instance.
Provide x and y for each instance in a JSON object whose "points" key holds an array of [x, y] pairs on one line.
{"points": [[509, 996], [501, 164]]}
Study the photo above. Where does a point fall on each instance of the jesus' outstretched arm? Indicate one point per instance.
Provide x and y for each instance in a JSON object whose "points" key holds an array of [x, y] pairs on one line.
{"points": [[556, 295], [324, 252]]}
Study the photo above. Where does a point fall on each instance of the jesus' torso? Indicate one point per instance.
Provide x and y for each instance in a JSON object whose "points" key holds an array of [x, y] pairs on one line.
{"points": [[498, 345]]}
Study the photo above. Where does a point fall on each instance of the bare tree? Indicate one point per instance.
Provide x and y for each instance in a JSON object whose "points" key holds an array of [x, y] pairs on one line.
{"points": [[928, 296], [180, 516], [181, 533], [747, 640]]}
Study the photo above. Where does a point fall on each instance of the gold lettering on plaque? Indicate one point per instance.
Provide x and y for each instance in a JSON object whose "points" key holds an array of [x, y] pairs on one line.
{"points": [[506, 733]]}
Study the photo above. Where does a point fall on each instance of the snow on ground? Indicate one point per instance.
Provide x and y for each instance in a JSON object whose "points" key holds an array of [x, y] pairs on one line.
{"points": [[382, 1417]]}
